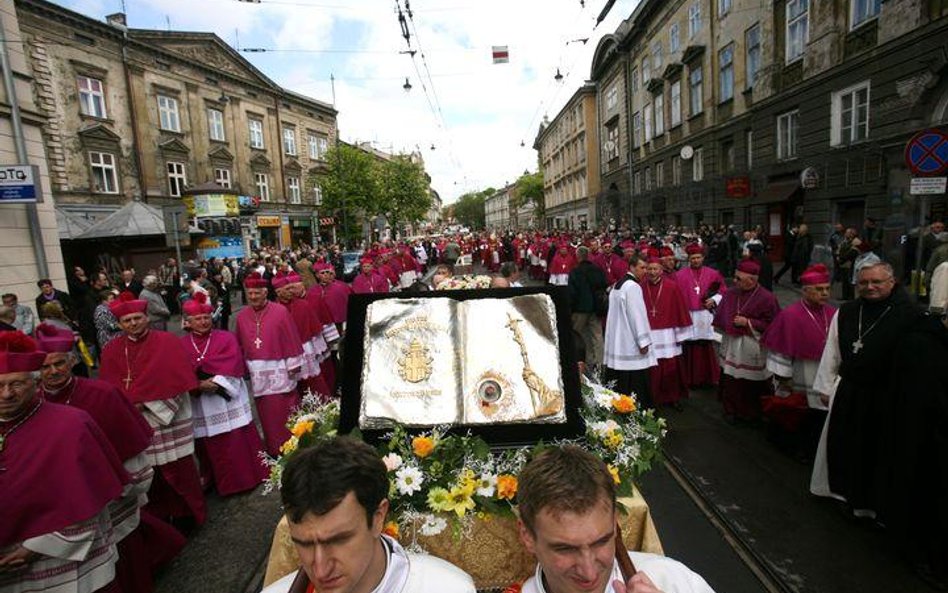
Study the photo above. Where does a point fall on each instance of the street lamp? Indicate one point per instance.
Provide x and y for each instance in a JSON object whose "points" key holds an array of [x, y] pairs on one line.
{"points": [[407, 85]]}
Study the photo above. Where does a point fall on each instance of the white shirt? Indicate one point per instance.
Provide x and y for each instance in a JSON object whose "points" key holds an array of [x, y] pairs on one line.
{"points": [[670, 576]]}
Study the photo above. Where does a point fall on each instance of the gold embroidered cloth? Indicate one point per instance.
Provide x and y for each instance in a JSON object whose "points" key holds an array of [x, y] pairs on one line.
{"points": [[431, 361], [491, 553]]}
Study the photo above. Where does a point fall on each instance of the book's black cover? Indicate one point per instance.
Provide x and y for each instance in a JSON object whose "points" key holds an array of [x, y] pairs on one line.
{"points": [[499, 435]]}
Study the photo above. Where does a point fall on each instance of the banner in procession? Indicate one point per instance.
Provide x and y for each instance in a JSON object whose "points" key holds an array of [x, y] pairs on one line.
{"points": [[220, 246]]}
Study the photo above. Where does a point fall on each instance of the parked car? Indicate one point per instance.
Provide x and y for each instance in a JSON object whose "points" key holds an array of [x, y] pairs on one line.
{"points": [[350, 264]]}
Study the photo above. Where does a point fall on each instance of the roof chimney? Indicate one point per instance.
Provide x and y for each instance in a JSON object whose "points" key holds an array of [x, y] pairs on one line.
{"points": [[117, 20]]}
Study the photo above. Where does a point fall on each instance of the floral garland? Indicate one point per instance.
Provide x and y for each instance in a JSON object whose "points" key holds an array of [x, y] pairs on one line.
{"points": [[464, 283], [437, 480]]}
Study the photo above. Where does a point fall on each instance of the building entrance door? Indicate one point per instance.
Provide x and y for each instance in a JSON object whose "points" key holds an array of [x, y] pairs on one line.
{"points": [[851, 213], [775, 228]]}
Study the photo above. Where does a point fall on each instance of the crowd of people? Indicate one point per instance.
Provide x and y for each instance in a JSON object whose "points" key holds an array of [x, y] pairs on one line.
{"points": [[171, 412]]}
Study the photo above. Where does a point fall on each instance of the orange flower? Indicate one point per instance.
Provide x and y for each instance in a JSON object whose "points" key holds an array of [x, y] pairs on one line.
{"points": [[623, 404], [422, 446], [506, 486], [391, 529], [302, 427], [514, 588]]}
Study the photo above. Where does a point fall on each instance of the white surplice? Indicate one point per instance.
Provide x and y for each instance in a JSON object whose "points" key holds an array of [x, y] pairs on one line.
{"points": [[627, 329]]}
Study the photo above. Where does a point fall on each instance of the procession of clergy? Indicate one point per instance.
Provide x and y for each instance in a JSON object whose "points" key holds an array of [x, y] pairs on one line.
{"points": [[123, 448]]}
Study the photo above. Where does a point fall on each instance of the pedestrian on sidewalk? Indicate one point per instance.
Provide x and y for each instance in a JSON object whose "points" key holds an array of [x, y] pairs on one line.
{"points": [[587, 286]]}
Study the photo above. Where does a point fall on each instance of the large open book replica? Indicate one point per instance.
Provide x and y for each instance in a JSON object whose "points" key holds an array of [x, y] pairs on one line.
{"points": [[495, 362]]}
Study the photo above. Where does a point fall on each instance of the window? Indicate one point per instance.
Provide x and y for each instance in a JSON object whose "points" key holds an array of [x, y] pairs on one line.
{"points": [[724, 7], [694, 19], [317, 195], [91, 96], [612, 97], [750, 149], [676, 103], [611, 146], [262, 181], [657, 56], [637, 182], [313, 143], [215, 124], [659, 173], [726, 68], [862, 11], [648, 179], [787, 135], [168, 114], [636, 129], [222, 177], [676, 170], [646, 70], [104, 178], [256, 133], [635, 80], [697, 165], [289, 141], [176, 178], [752, 59], [293, 188], [695, 97], [323, 142], [648, 122], [727, 155], [798, 28], [659, 114], [674, 38], [850, 115]]}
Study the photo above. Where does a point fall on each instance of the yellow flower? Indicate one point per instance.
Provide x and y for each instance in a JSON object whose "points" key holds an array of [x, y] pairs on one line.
{"points": [[506, 487], [302, 427], [422, 446], [460, 500], [613, 439], [615, 474], [289, 446], [468, 480], [391, 529], [438, 499], [623, 404]]}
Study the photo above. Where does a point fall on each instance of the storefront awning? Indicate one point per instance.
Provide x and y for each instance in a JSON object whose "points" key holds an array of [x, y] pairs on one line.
{"points": [[779, 191], [135, 219]]}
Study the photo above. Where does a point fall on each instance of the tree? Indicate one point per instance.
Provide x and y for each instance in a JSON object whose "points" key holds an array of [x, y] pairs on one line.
{"points": [[529, 188], [403, 191], [350, 186], [469, 210]]}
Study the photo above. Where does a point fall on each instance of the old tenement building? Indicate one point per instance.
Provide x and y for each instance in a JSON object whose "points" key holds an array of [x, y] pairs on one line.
{"points": [[140, 114], [737, 111]]}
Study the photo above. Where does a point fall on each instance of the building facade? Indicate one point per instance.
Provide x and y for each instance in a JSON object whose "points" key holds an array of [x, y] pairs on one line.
{"points": [[778, 113], [141, 114], [569, 159], [22, 263], [497, 210]]}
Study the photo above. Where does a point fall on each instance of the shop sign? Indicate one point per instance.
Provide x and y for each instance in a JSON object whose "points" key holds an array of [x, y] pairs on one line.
{"points": [[18, 184], [300, 223], [268, 221], [810, 178], [928, 185], [327, 221], [737, 187], [207, 205]]}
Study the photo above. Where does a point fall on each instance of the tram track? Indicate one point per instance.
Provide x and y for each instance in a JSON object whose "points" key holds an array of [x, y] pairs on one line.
{"points": [[754, 561]]}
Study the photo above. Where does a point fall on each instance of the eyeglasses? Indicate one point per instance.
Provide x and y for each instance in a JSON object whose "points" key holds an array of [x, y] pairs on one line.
{"points": [[865, 283]]}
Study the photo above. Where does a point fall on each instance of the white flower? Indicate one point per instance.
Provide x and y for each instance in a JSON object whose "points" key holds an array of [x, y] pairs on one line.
{"points": [[432, 525], [603, 428], [408, 480], [486, 485], [392, 461]]}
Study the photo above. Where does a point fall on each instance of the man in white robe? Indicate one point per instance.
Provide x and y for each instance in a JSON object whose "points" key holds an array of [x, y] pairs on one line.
{"points": [[567, 504], [628, 354], [334, 495]]}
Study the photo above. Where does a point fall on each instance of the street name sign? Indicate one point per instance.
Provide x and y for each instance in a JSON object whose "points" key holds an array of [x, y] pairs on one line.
{"points": [[18, 184]]}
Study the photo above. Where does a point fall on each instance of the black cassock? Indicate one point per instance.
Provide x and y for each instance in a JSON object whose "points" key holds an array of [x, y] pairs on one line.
{"points": [[862, 405], [916, 508]]}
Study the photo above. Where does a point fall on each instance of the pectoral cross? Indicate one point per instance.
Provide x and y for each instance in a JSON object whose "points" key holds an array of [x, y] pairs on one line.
{"points": [[257, 342], [127, 380], [857, 346], [697, 289]]}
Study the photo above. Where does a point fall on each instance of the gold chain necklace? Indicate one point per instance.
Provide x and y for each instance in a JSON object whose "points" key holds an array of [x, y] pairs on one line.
{"points": [[6, 434]]}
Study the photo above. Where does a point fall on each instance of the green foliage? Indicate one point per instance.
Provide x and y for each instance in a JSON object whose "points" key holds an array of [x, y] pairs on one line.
{"points": [[529, 188], [469, 210], [403, 191]]}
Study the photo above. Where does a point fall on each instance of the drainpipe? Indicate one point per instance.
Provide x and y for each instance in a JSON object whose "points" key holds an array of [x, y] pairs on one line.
{"points": [[36, 233], [136, 144]]}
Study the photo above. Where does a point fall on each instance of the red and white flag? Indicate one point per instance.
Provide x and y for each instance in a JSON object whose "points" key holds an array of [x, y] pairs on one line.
{"points": [[501, 56]]}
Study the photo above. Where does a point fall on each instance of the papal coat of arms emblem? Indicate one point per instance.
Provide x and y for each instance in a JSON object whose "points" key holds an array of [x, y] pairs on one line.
{"points": [[415, 367]]}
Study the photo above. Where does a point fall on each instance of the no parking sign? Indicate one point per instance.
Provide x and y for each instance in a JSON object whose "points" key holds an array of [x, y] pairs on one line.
{"points": [[926, 154]]}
